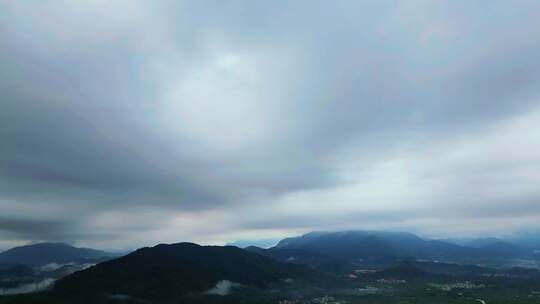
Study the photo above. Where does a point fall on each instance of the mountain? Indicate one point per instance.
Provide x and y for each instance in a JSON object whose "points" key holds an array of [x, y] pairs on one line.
{"points": [[378, 248], [46, 253], [167, 272], [317, 261], [527, 239], [8, 271], [472, 242], [361, 246], [527, 244], [354, 246], [502, 248], [493, 245], [482, 242]]}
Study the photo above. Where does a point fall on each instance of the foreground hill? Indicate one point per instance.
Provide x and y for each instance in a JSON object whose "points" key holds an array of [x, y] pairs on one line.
{"points": [[46, 253], [166, 272]]}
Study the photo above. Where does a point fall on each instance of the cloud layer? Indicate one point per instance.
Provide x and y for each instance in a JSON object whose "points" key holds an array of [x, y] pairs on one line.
{"points": [[138, 122]]}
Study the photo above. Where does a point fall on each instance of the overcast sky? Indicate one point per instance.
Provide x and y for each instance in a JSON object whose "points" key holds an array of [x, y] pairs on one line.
{"points": [[129, 123]]}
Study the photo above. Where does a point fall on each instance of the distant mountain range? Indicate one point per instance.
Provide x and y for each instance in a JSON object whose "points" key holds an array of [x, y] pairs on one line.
{"points": [[319, 250], [473, 242], [183, 271], [45, 253], [383, 248], [524, 240]]}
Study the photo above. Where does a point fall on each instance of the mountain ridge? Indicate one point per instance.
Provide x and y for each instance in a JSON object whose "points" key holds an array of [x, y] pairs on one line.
{"points": [[361, 246], [171, 271], [45, 253]]}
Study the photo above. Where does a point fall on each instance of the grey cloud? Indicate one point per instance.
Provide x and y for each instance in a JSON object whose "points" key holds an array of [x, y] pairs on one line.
{"points": [[18, 228], [90, 120]]}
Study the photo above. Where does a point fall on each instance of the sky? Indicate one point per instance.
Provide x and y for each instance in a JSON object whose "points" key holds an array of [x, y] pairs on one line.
{"points": [[132, 123]]}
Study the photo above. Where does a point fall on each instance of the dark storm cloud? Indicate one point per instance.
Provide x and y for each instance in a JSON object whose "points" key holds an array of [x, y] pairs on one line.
{"points": [[13, 228], [193, 108]]}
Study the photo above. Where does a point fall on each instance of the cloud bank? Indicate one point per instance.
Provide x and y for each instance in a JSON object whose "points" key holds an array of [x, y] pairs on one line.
{"points": [[137, 122]]}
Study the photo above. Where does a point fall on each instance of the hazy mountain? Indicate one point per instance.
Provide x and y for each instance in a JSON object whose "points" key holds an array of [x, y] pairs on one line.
{"points": [[369, 245], [525, 240], [172, 271], [46, 253], [505, 249], [363, 247], [473, 242], [529, 239], [353, 246]]}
